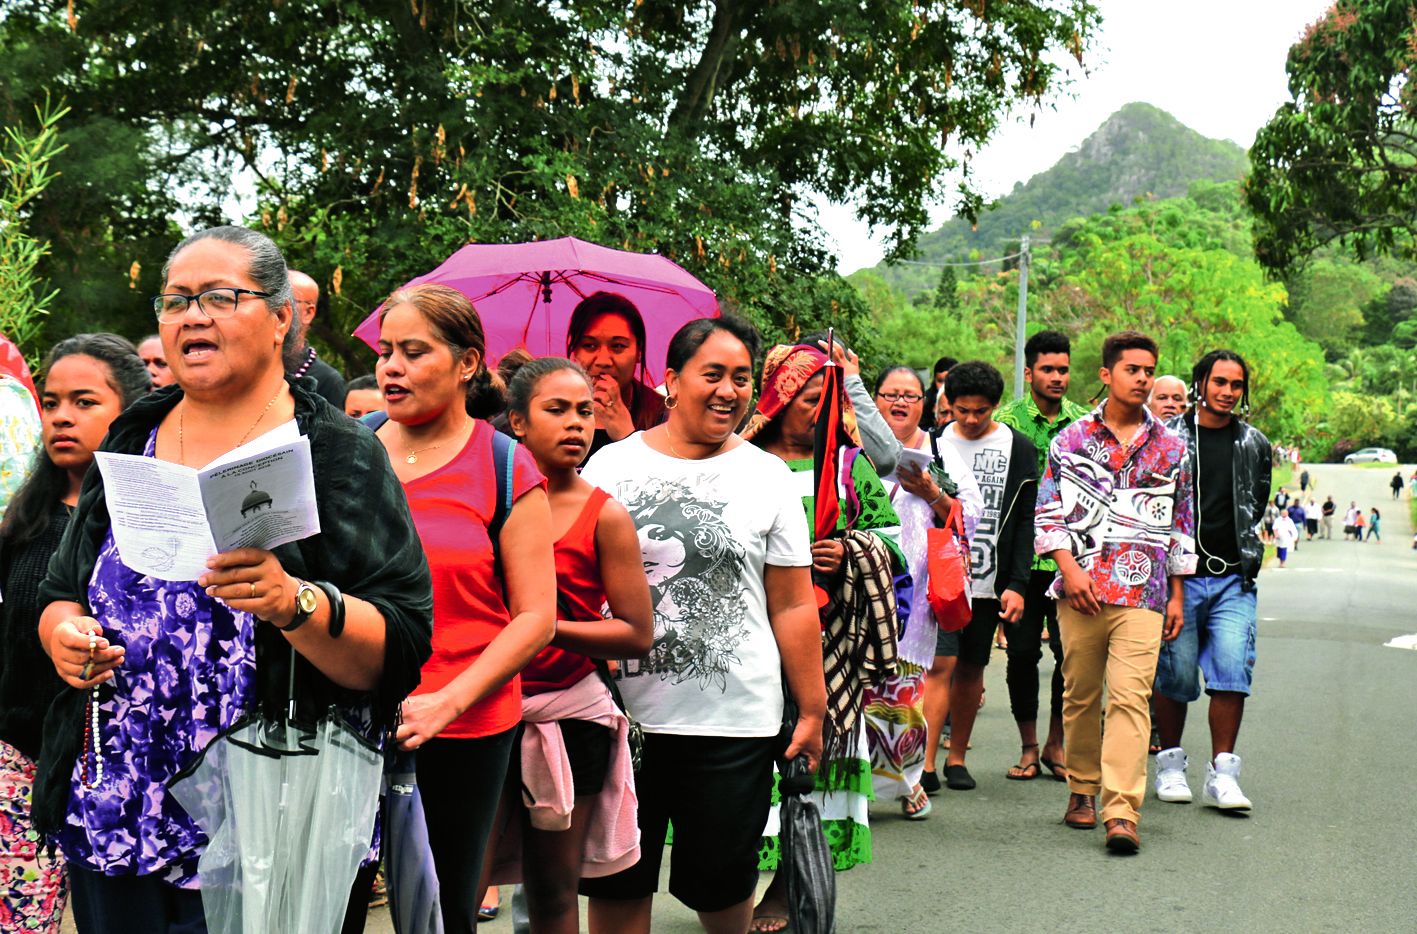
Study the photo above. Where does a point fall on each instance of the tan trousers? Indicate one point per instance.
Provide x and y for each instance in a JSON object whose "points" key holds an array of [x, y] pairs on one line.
{"points": [[1118, 648]]}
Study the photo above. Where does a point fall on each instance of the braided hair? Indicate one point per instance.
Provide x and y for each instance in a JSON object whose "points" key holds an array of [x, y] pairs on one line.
{"points": [[1200, 375]]}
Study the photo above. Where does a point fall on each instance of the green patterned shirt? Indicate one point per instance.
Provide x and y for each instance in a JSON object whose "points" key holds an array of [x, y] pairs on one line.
{"points": [[1023, 416]]}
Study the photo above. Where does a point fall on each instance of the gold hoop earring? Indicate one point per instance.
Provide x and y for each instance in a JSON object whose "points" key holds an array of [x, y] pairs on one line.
{"points": [[671, 402]]}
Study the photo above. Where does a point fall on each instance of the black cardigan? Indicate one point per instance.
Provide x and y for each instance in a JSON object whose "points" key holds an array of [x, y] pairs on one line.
{"points": [[28, 682], [367, 547], [1015, 547]]}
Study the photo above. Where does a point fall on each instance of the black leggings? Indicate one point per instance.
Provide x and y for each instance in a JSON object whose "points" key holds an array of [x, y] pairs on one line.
{"points": [[133, 905], [1026, 650], [460, 781]]}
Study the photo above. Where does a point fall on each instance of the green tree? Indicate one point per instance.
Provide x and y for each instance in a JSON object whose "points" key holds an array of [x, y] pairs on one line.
{"points": [[1339, 161], [1326, 301], [947, 292], [1125, 271], [26, 170], [382, 136]]}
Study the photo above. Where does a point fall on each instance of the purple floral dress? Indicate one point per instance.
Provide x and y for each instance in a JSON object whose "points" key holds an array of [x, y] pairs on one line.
{"points": [[188, 674]]}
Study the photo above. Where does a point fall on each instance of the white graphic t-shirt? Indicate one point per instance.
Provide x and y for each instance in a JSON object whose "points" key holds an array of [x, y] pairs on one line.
{"points": [[706, 528], [988, 460]]}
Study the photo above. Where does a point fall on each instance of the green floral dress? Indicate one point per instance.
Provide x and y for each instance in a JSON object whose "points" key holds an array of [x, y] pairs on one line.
{"points": [[844, 792]]}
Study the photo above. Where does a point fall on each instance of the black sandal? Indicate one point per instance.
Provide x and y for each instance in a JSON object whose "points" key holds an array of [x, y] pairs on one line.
{"points": [[1025, 773]]}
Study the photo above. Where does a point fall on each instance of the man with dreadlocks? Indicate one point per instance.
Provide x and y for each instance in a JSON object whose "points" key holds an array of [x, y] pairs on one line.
{"points": [[1231, 474]]}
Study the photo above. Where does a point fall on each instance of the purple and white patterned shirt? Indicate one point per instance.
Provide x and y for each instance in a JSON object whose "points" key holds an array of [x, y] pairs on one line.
{"points": [[188, 674], [1124, 512]]}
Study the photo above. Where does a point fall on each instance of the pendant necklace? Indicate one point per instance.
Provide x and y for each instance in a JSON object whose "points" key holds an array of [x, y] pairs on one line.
{"points": [[412, 456], [669, 438], [181, 417]]}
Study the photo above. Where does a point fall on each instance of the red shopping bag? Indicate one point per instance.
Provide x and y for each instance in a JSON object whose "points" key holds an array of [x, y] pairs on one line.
{"points": [[947, 553]]}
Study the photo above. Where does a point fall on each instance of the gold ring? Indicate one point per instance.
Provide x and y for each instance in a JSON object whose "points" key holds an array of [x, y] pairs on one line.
{"points": [[253, 590]]}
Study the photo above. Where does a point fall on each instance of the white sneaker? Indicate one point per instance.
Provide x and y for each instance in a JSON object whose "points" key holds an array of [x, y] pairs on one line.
{"points": [[1222, 784], [1171, 784]]}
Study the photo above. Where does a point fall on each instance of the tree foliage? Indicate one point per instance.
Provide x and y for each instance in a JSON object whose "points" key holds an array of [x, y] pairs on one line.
{"points": [[26, 159], [383, 136], [1167, 268], [1339, 161]]}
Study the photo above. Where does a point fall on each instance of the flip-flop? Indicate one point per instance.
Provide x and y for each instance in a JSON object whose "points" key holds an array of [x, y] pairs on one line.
{"points": [[920, 799], [1058, 770], [957, 778], [1025, 773]]}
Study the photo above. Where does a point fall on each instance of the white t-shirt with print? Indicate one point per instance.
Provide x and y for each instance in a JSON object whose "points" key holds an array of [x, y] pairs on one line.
{"points": [[988, 460], [707, 528]]}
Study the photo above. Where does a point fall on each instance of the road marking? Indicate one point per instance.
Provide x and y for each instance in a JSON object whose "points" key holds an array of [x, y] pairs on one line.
{"points": [[1402, 642]]}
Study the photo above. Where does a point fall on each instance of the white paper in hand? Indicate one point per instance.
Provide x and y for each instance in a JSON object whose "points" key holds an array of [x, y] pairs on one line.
{"points": [[168, 519]]}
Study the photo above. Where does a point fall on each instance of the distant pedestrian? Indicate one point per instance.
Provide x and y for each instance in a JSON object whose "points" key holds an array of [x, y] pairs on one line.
{"points": [[1281, 500], [1375, 522], [1270, 514], [1303, 482], [1350, 520], [1326, 517], [1312, 514], [1286, 535], [1396, 484], [1359, 524], [1296, 514]]}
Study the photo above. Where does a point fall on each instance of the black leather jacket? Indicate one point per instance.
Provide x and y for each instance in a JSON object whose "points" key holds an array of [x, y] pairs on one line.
{"points": [[1252, 466]]}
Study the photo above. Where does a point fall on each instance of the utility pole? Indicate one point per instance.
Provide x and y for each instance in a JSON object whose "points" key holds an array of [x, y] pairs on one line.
{"points": [[1021, 323]]}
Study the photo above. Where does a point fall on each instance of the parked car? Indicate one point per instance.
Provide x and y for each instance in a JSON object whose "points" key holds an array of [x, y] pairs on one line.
{"points": [[1371, 456]]}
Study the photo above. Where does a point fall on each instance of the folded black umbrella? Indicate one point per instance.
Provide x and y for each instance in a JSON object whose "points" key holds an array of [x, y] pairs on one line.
{"points": [[806, 858]]}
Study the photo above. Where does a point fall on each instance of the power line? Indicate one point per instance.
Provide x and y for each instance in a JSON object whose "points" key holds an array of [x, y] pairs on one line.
{"points": [[978, 262]]}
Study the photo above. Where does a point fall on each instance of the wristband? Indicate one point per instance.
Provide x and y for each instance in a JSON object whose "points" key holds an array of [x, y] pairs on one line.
{"points": [[336, 607], [936, 499]]}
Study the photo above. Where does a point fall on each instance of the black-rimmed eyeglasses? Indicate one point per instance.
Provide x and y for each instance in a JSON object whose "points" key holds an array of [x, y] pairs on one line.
{"points": [[910, 397], [214, 303]]}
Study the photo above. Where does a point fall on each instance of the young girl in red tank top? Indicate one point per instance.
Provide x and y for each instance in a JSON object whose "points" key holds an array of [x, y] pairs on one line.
{"points": [[603, 611]]}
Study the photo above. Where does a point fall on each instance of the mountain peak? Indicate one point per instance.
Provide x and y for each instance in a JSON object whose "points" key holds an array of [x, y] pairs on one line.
{"points": [[1139, 151]]}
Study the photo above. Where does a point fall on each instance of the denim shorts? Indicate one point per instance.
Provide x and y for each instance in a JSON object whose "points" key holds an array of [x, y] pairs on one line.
{"points": [[1217, 640]]}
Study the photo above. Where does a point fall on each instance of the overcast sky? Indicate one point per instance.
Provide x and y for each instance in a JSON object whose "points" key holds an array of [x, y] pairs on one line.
{"points": [[1216, 65]]}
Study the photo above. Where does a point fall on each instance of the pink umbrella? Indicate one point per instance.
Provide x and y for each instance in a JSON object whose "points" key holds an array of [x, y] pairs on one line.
{"points": [[525, 293]]}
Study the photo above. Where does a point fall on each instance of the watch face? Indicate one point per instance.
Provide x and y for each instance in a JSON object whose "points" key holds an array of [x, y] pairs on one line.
{"points": [[305, 598]]}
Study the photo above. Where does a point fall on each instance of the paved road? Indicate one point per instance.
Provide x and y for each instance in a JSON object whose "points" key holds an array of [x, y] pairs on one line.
{"points": [[1329, 760]]}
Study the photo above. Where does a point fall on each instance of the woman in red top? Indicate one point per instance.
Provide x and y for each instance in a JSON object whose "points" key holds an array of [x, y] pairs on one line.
{"points": [[550, 407], [463, 717]]}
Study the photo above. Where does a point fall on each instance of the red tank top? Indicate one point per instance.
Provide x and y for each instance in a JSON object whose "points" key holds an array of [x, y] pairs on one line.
{"points": [[580, 595]]}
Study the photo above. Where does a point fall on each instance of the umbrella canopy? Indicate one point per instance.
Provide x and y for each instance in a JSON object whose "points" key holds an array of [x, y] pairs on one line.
{"points": [[525, 293], [289, 814]]}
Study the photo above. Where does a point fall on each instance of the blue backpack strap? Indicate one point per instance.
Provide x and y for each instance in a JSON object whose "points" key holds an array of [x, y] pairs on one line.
{"points": [[503, 466]]}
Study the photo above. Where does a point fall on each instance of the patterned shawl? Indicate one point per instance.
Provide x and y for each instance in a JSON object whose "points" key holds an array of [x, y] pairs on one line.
{"points": [[858, 639]]}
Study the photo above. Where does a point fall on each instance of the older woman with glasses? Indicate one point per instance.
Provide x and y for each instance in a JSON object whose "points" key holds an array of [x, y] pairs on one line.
{"points": [[906, 716], [157, 669]]}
